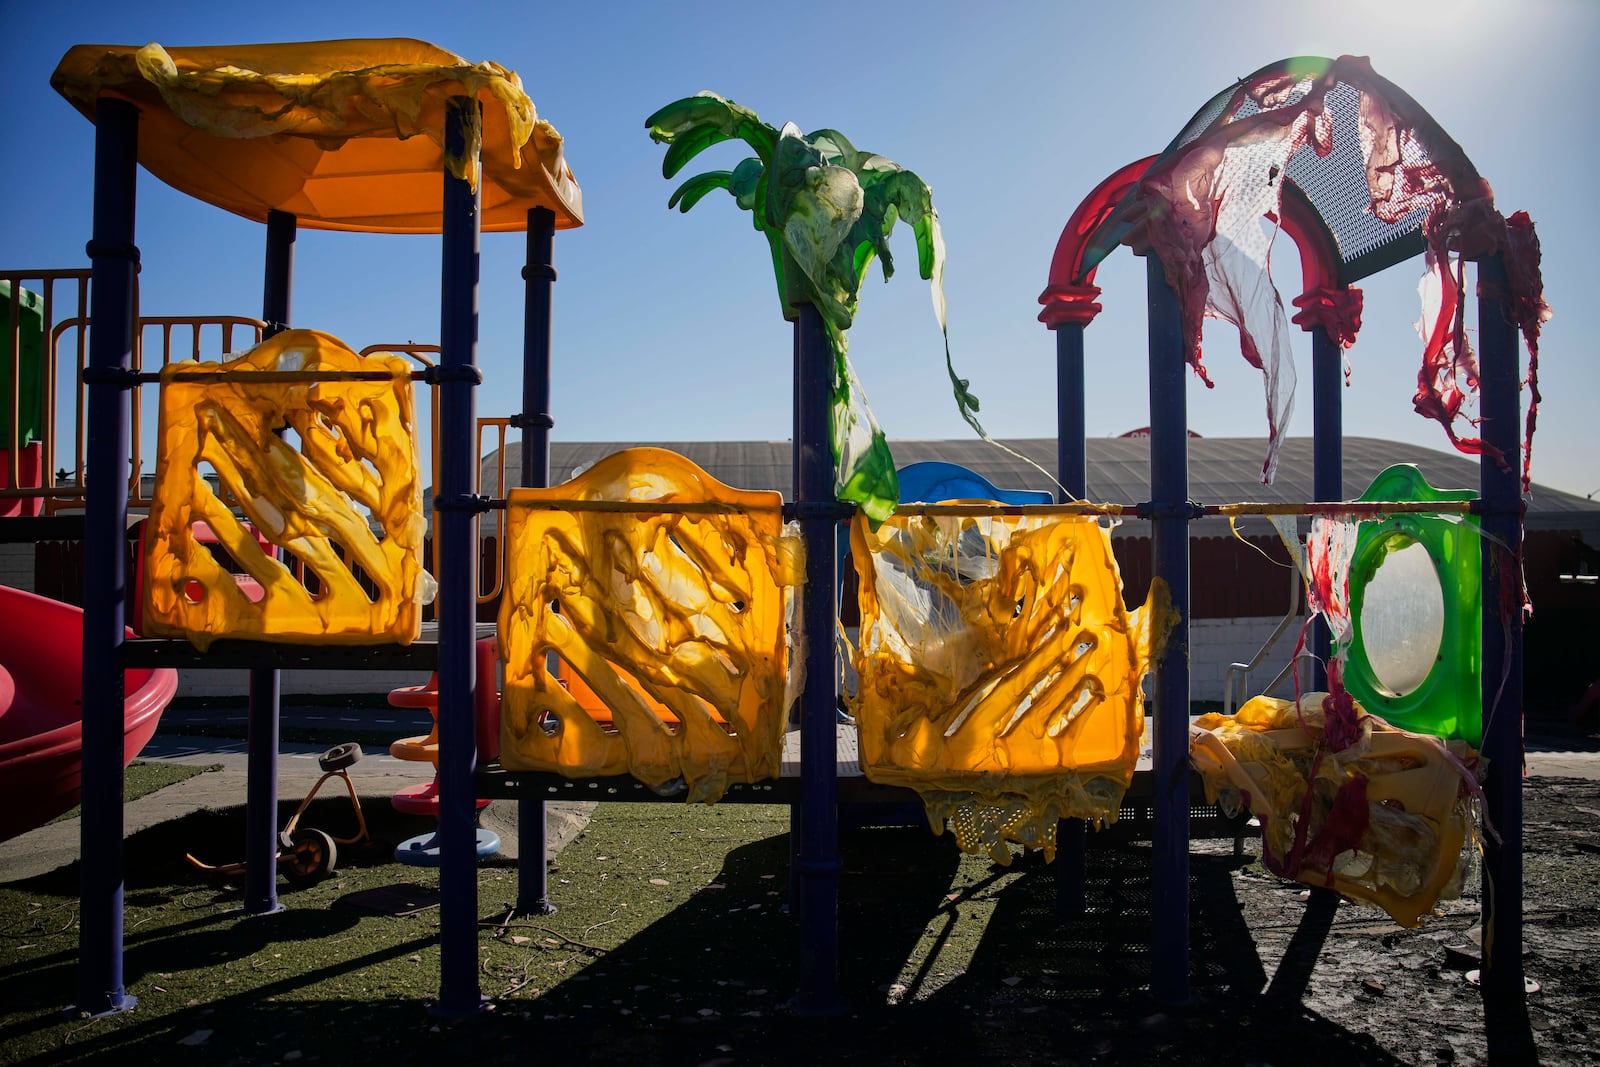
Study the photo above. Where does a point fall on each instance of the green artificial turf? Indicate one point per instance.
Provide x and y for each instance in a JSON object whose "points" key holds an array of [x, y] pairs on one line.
{"points": [[669, 918]]}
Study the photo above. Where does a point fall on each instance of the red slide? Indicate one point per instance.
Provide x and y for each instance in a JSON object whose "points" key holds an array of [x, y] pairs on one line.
{"points": [[41, 727]]}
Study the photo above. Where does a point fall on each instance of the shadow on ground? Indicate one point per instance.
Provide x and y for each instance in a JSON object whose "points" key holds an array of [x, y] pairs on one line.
{"points": [[943, 959]]}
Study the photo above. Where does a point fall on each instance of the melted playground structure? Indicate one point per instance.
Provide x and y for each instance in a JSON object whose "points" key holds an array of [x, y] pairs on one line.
{"points": [[659, 631]]}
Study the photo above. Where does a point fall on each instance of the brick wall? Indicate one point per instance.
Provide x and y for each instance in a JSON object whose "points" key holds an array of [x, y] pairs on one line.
{"points": [[16, 566], [1216, 643]]}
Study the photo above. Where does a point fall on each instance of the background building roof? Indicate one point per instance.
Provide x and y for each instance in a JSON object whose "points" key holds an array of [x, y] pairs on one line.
{"points": [[1222, 470]]}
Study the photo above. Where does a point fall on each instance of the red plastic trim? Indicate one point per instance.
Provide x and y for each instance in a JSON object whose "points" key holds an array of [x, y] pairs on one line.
{"points": [[1069, 305], [1066, 299], [1319, 260], [1336, 310]]}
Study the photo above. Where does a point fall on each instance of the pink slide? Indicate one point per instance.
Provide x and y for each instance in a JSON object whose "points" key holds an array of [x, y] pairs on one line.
{"points": [[41, 728]]}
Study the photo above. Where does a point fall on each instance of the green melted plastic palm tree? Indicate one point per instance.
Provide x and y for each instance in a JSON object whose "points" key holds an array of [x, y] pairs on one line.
{"points": [[827, 211]]}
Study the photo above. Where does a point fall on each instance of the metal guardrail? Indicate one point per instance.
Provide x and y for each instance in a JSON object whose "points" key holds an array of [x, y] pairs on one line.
{"points": [[1239, 673], [59, 291], [158, 341]]}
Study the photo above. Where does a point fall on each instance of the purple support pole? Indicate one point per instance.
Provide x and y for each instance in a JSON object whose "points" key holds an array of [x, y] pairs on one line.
{"points": [[458, 582], [277, 289], [261, 796], [1500, 406], [819, 865], [1072, 458], [539, 275], [1327, 477], [1072, 471], [795, 810], [1169, 538], [114, 259], [261, 774]]}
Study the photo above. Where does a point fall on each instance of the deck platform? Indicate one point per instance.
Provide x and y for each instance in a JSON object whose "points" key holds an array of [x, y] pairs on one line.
{"points": [[1133, 821]]}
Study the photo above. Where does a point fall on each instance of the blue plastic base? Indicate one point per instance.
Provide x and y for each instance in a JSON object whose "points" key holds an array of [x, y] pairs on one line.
{"points": [[423, 850]]}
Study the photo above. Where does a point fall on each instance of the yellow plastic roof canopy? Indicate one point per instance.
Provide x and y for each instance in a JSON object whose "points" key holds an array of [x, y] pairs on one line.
{"points": [[344, 135]]}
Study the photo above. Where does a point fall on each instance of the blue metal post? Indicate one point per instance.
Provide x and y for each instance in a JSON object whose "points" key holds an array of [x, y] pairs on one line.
{"points": [[261, 796], [1072, 427], [1169, 538], [819, 865], [277, 288], [796, 811], [1500, 406], [458, 581], [1072, 471], [1327, 477], [114, 259], [539, 275], [261, 782]]}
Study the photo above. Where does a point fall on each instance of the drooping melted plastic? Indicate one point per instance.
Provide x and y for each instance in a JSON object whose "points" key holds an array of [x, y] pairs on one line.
{"points": [[344, 135], [999, 672], [682, 611], [1328, 549], [1384, 821], [355, 468], [1208, 207]]}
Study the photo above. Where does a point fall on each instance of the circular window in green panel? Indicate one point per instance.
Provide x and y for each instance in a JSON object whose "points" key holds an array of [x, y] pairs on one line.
{"points": [[1402, 618]]}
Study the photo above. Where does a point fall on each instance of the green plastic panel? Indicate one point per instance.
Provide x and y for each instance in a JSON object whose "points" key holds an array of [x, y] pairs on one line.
{"points": [[1443, 698], [30, 334]]}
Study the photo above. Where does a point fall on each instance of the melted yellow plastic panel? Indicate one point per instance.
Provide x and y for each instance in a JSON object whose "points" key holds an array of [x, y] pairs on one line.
{"points": [[344, 135], [999, 672], [356, 460], [669, 625], [1388, 818]]}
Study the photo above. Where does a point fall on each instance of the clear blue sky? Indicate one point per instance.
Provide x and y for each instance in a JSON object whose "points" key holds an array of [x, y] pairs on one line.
{"points": [[666, 325]]}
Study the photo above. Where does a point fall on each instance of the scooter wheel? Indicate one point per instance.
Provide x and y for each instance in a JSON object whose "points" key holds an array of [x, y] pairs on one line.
{"points": [[339, 757], [311, 859]]}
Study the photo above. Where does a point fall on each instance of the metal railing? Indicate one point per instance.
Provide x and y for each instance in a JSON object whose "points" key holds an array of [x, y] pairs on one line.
{"points": [[158, 341], [1239, 673], [56, 289]]}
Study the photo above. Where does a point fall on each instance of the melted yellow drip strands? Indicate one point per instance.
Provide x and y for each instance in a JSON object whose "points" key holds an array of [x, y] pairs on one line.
{"points": [[661, 616], [343, 134], [1407, 848], [999, 672], [357, 456]]}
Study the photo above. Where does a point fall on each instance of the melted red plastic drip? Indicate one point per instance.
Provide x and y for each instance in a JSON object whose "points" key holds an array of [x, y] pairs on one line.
{"points": [[1342, 830], [1341, 723], [1337, 311], [1529, 312], [1447, 359], [1174, 211]]}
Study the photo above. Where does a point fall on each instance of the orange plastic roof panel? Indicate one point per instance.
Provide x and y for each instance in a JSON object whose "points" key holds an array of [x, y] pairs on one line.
{"points": [[344, 135], [348, 499], [683, 609]]}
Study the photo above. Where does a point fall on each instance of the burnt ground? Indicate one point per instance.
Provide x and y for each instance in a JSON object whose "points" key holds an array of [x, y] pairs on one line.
{"points": [[672, 947], [1278, 978]]}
